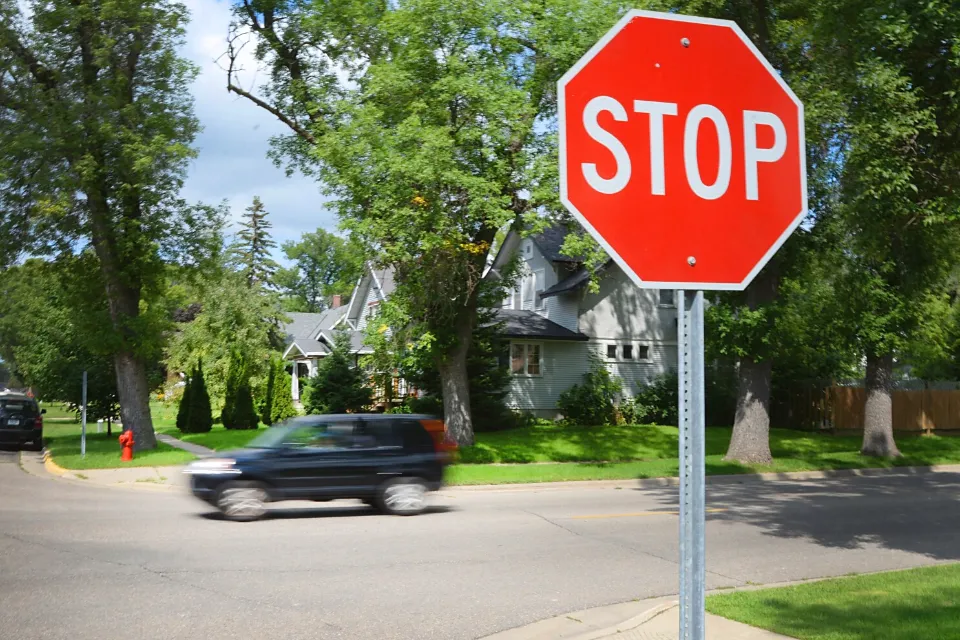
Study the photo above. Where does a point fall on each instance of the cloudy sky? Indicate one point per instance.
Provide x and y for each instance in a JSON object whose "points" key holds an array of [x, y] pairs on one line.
{"points": [[232, 164]]}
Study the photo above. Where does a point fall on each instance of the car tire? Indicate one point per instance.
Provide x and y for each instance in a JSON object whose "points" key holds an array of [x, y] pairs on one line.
{"points": [[243, 501], [403, 496]]}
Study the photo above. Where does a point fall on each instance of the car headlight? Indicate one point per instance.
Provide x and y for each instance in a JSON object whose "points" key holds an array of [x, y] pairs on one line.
{"points": [[213, 466]]}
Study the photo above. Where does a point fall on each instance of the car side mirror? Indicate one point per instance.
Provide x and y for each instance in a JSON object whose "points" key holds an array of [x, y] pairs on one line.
{"points": [[42, 411]]}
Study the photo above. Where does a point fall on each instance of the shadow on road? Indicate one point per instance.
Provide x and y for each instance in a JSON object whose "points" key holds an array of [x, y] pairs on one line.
{"points": [[339, 511], [915, 513]]}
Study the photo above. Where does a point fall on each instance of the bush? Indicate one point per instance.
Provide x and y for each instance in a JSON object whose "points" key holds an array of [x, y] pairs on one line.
{"points": [[592, 403], [266, 400], [282, 408], [194, 414], [238, 410], [201, 414], [656, 401], [183, 411], [339, 386]]}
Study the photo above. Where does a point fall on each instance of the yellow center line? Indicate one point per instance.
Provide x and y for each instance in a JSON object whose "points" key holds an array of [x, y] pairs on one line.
{"points": [[638, 514]]}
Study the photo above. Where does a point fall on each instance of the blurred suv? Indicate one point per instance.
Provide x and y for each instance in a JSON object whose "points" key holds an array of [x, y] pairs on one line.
{"points": [[390, 461], [21, 420]]}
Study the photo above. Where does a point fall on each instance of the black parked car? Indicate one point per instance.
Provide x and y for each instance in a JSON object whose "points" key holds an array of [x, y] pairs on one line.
{"points": [[21, 420], [389, 461]]}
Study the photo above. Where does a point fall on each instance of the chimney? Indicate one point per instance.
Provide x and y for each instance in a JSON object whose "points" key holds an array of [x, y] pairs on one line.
{"points": [[337, 301]]}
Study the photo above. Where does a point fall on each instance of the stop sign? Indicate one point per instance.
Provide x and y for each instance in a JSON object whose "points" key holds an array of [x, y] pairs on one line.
{"points": [[682, 151]]}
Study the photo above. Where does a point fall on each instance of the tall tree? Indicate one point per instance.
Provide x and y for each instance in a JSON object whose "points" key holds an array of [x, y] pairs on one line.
{"points": [[429, 147], [250, 253], [96, 124], [324, 265], [339, 385], [897, 68]]}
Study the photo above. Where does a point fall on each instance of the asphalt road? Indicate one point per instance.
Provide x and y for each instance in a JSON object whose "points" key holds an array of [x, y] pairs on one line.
{"points": [[79, 562]]}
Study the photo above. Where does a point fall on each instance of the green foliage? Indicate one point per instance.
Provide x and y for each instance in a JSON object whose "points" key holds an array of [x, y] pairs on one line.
{"points": [[97, 131], [244, 414], [432, 146], [283, 408], [51, 332], [324, 265], [183, 409], [266, 400], [339, 386], [250, 252], [657, 402], [234, 317], [201, 413], [593, 402]]}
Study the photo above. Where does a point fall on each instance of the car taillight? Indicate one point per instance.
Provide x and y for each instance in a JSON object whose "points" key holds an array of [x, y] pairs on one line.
{"points": [[38, 423], [442, 442]]}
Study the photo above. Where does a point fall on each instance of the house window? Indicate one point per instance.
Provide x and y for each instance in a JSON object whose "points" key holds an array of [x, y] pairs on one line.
{"points": [[508, 301], [528, 248], [538, 288], [667, 298], [525, 359], [612, 351], [643, 352], [627, 351], [529, 291]]}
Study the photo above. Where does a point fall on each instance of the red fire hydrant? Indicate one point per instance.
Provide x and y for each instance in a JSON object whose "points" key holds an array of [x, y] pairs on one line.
{"points": [[126, 441]]}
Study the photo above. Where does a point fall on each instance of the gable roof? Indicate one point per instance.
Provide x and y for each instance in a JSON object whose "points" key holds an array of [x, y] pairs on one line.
{"points": [[574, 281], [550, 241]]}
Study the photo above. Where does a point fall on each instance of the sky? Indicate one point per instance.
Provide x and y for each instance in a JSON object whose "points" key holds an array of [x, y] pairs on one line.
{"points": [[232, 162]]}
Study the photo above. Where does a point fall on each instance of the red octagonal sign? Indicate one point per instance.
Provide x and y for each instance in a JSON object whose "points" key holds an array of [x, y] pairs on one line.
{"points": [[682, 151]]}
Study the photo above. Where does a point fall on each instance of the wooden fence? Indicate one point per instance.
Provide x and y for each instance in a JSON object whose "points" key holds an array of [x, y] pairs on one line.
{"points": [[842, 408]]}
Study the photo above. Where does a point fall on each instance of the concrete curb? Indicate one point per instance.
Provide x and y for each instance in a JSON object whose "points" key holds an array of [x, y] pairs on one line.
{"points": [[742, 478], [630, 624], [52, 467]]}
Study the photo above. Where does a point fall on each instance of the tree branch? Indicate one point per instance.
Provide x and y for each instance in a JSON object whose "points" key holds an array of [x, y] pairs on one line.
{"points": [[39, 72], [232, 54]]}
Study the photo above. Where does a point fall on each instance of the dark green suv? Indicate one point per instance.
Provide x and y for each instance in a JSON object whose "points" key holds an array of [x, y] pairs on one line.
{"points": [[21, 420]]}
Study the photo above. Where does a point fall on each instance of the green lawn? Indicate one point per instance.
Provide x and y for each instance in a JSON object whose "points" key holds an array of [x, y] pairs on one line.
{"points": [[903, 605], [599, 453], [58, 413], [551, 452], [103, 451]]}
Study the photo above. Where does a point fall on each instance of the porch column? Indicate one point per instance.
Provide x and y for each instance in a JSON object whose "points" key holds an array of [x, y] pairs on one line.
{"points": [[295, 384]]}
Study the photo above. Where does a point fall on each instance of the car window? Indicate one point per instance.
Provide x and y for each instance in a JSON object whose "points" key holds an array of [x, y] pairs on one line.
{"points": [[381, 433], [326, 435], [18, 406], [414, 435]]}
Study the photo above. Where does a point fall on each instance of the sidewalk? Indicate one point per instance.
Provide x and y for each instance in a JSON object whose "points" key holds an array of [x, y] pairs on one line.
{"points": [[656, 619], [150, 478]]}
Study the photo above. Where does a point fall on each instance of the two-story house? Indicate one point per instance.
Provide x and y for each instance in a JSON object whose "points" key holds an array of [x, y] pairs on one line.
{"points": [[554, 323], [551, 322]]}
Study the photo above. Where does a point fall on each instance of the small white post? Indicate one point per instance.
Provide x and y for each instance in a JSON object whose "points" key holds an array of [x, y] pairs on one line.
{"points": [[83, 418]]}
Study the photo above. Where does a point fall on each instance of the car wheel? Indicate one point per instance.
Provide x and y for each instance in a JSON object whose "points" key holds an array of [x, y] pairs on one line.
{"points": [[243, 501], [403, 496]]}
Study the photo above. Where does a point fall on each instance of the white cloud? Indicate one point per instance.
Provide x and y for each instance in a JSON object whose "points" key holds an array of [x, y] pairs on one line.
{"points": [[232, 162]]}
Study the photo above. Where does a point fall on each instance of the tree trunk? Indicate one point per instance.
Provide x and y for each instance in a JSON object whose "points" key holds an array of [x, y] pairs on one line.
{"points": [[878, 413], [455, 383], [134, 392], [750, 442]]}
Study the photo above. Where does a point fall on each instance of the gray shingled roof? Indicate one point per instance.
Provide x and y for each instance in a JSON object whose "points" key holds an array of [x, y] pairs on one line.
{"points": [[550, 241], [306, 326], [574, 281], [309, 346], [515, 323]]}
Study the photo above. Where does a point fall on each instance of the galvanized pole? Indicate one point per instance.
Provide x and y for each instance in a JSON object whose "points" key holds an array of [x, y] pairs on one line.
{"points": [[83, 417], [690, 371]]}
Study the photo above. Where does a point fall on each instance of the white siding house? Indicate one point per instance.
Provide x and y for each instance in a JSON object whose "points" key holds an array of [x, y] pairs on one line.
{"points": [[552, 318]]}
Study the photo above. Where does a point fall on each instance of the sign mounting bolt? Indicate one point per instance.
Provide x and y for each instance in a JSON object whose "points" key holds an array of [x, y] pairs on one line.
{"points": [[691, 261], [685, 42]]}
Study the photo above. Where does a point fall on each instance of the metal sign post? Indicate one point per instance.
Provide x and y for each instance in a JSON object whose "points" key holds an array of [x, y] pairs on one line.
{"points": [[690, 371], [83, 418]]}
